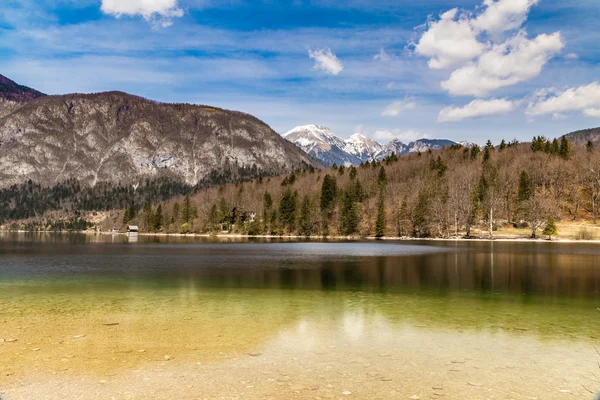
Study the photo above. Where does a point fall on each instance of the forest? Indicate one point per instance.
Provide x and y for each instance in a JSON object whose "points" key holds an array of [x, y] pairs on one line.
{"points": [[451, 193], [456, 192]]}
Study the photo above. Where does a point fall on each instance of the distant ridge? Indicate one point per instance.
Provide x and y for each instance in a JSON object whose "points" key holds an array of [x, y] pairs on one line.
{"points": [[321, 143], [10, 90], [581, 137]]}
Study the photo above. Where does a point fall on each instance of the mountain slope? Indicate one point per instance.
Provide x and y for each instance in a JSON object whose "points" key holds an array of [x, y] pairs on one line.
{"points": [[122, 138], [10, 90], [583, 136], [322, 144]]}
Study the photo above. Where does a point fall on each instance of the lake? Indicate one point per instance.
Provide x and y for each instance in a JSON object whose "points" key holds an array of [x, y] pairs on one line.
{"points": [[112, 317]]}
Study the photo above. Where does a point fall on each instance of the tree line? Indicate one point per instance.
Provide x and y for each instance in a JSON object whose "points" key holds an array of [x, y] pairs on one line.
{"points": [[456, 192], [448, 193]]}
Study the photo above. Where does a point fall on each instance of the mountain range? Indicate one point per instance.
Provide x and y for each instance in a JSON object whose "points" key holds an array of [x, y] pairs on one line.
{"points": [[322, 144], [122, 138]]}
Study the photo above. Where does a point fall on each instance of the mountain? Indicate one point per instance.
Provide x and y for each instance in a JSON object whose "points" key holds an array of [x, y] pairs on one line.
{"points": [[13, 95], [10, 90], [121, 138], [421, 145], [583, 136], [322, 144], [362, 147]]}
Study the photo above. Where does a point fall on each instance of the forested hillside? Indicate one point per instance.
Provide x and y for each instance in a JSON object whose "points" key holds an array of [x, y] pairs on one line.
{"points": [[434, 194]]}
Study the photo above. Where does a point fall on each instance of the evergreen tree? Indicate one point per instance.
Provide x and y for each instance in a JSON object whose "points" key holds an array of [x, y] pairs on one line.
{"points": [[349, 214], [555, 147], [589, 146], [176, 211], [328, 192], [502, 145], [382, 177], [420, 213], [380, 221], [287, 209], [565, 148], [352, 172], [306, 222], [148, 217], [404, 222], [550, 229], [188, 212], [524, 187], [213, 218], [158, 218]]}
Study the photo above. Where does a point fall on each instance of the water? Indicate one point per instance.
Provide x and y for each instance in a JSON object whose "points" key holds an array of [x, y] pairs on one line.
{"points": [[166, 317]]}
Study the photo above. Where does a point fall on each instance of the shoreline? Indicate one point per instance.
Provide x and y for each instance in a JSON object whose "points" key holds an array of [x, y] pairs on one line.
{"points": [[499, 238]]}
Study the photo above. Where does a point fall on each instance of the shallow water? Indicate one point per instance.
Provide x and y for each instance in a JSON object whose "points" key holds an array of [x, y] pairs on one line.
{"points": [[91, 317]]}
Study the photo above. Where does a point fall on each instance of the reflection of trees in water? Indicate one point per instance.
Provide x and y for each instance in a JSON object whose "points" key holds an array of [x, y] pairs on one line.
{"points": [[544, 274]]}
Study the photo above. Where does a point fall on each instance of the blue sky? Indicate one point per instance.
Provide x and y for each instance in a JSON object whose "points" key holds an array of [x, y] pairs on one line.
{"points": [[462, 70]]}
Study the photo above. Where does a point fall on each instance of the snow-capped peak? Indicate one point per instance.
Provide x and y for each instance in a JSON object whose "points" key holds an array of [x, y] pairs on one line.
{"points": [[362, 147], [313, 135]]}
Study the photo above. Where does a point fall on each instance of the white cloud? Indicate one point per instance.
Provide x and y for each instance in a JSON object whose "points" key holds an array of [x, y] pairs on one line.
{"points": [[475, 43], [160, 11], [450, 41], [404, 136], [476, 108], [592, 112], [583, 98], [516, 60], [394, 109], [572, 56], [382, 56], [326, 61], [503, 15]]}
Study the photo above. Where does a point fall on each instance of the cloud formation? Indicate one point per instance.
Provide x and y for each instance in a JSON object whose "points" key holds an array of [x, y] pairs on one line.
{"points": [[326, 61], [159, 11], [516, 60], [503, 15], [584, 98], [475, 44], [476, 108], [450, 41], [394, 109]]}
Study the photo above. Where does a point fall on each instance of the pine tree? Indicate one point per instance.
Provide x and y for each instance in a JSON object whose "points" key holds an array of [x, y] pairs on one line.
{"points": [[589, 146], [420, 215], [148, 217], [158, 218], [306, 223], [287, 209], [404, 221], [380, 221], [176, 211], [349, 214], [328, 192], [524, 187], [502, 145], [550, 229], [382, 177], [565, 148]]}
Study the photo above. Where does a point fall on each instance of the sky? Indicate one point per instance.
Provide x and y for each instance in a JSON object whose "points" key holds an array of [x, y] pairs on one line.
{"points": [[453, 69]]}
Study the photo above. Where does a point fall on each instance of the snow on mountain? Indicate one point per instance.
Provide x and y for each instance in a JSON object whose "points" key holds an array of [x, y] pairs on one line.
{"points": [[321, 143], [362, 147]]}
